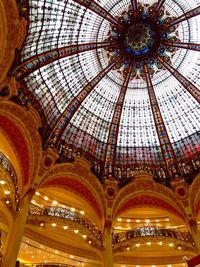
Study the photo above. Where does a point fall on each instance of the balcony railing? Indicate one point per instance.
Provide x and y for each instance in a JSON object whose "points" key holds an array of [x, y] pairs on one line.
{"points": [[8, 167], [64, 216], [45, 265], [152, 232]]}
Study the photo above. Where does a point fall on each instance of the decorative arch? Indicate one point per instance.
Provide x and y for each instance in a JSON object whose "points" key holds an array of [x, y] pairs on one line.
{"points": [[145, 192], [194, 196], [20, 128], [149, 200], [13, 32], [77, 178]]}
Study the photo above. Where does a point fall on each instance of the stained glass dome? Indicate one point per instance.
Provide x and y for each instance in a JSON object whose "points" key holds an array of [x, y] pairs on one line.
{"points": [[117, 81]]}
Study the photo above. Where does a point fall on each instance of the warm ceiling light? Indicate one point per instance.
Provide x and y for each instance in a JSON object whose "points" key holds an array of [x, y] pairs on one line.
{"points": [[148, 243], [46, 198], [41, 224], [84, 236], [7, 201], [128, 248], [55, 202], [171, 244], [160, 243], [119, 219], [179, 247], [157, 220], [128, 220], [137, 245], [167, 219], [2, 182], [7, 192], [169, 265], [153, 265], [71, 256], [53, 224], [56, 251], [82, 212], [37, 193], [147, 221], [76, 231], [65, 227], [90, 242], [138, 221], [72, 209], [137, 265]]}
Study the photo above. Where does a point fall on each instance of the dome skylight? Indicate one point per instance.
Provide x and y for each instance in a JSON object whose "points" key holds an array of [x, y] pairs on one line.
{"points": [[117, 80]]}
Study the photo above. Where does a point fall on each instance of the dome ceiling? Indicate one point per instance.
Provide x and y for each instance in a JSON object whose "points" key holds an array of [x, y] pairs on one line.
{"points": [[117, 80]]}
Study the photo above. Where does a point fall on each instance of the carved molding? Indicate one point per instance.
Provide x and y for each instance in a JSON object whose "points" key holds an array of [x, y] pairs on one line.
{"points": [[194, 195], [13, 32], [145, 185], [20, 127], [54, 243], [82, 175]]}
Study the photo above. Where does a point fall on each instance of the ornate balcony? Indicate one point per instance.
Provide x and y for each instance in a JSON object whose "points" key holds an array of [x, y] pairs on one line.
{"points": [[148, 235], [40, 216]]}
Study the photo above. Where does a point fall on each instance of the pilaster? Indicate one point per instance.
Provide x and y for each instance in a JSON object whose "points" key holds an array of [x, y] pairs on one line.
{"points": [[15, 233]]}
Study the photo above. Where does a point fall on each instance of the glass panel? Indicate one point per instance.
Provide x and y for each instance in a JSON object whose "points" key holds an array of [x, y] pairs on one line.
{"points": [[58, 23]]}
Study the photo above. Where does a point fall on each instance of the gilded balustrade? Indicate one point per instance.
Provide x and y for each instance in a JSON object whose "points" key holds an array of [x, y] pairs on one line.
{"points": [[174, 238], [66, 216]]}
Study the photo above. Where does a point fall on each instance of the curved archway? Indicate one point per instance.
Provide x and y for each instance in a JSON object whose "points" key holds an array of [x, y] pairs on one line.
{"points": [[145, 192], [148, 200], [82, 183], [19, 128]]}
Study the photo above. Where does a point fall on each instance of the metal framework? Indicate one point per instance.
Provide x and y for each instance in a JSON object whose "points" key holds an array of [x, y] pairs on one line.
{"points": [[159, 5], [95, 101], [186, 16], [191, 88], [71, 109], [102, 12], [114, 126], [163, 136], [188, 46], [134, 6], [41, 60]]}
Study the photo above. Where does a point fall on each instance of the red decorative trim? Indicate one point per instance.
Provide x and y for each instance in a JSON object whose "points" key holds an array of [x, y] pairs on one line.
{"points": [[78, 187], [148, 200], [194, 262], [16, 137]]}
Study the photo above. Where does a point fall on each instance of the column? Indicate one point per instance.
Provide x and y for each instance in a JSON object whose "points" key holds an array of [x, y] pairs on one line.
{"points": [[181, 190], [108, 252], [195, 234], [15, 233]]}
